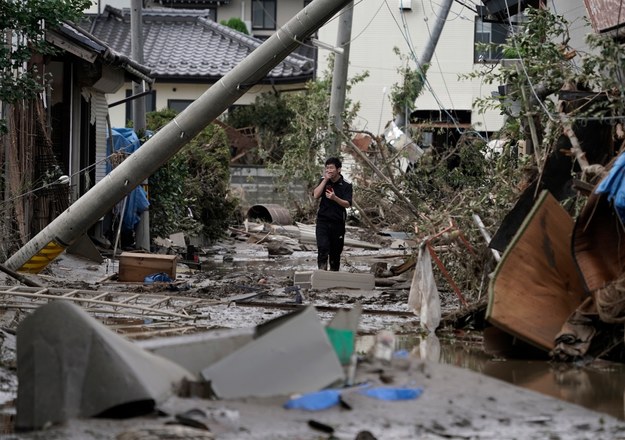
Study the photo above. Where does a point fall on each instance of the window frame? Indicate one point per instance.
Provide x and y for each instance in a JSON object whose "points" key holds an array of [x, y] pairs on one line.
{"points": [[172, 103], [265, 5], [494, 53]]}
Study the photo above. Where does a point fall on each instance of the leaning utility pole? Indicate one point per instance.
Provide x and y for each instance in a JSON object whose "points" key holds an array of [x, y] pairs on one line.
{"points": [[339, 77], [73, 222]]}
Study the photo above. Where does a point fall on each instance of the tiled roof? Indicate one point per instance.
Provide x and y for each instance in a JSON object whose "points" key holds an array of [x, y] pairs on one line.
{"points": [[70, 34], [187, 3], [183, 44]]}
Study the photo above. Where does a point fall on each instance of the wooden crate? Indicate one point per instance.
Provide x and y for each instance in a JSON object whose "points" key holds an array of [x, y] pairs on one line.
{"points": [[136, 266]]}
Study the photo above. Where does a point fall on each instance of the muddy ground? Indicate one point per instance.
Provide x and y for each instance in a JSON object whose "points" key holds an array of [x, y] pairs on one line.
{"points": [[238, 277]]}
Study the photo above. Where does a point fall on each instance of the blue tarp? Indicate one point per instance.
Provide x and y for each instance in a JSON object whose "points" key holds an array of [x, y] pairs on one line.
{"points": [[126, 140], [614, 186]]}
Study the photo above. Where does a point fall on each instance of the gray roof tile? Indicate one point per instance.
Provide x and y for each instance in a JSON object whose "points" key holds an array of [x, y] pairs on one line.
{"points": [[184, 44]]}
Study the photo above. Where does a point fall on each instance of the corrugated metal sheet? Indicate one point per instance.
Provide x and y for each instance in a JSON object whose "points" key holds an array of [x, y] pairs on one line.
{"points": [[99, 112], [605, 15]]}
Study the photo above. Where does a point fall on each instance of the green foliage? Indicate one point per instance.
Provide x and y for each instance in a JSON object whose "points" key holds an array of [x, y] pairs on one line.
{"points": [[541, 47], [23, 22], [270, 114], [309, 137], [403, 95], [294, 133], [190, 193], [544, 67], [237, 24]]}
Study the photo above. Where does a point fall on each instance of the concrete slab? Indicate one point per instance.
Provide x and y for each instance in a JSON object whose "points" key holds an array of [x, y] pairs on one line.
{"points": [[195, 352], [290, 354], [323, 279], [302, 279]]}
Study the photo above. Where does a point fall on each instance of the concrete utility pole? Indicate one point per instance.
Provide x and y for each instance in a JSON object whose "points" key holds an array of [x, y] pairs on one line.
{"points": [[339, 76], [403, 118], [72, 223], [138, 108]]}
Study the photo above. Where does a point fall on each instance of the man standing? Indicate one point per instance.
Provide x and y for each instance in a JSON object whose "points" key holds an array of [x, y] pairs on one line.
{"points": [[336, 197]]}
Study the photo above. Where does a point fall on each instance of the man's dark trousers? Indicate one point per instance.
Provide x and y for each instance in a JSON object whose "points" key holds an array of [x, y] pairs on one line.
{"points": [[330, 239]]}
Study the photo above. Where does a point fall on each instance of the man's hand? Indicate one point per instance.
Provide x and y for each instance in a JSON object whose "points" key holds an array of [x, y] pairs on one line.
{"points": [[329, 193]]}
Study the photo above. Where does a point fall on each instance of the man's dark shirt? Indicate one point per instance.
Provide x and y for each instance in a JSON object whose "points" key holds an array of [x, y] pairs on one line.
{"points": [[330, 211]]}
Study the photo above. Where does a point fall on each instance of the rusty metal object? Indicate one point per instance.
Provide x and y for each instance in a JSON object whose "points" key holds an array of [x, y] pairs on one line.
{"points": [[270, 213]]}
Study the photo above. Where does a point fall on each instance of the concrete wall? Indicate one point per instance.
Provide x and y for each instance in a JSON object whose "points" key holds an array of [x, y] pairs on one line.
{"points": [[255, 185]]}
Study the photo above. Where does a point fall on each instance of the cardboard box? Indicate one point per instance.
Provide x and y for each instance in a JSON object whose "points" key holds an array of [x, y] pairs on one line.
{"points": [[136, 266]]}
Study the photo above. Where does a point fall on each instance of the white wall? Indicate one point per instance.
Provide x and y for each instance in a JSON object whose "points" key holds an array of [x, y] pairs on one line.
{"points": [[166, 91], [377, 28], [574, 12], [102, 3]]}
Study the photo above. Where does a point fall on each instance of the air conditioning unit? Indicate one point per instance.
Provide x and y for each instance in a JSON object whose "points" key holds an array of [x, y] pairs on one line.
{"points": [[405, 5]]}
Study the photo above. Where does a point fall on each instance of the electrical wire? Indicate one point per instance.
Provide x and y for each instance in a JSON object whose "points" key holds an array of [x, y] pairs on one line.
{"points": [[426, 82]]}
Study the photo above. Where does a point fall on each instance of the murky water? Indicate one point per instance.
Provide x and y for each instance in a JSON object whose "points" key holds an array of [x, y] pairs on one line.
{"points": [[599, 386]]}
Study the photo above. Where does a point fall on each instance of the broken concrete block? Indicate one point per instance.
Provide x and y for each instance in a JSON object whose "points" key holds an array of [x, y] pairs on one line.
{"points": [[290, 354], [302, 279], [323, 279], [71, 365]]}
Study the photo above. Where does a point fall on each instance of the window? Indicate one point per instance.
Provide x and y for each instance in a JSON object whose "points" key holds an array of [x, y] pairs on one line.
{"points": [[264, 14], [492, 34], [178, 105], [150, 103]]}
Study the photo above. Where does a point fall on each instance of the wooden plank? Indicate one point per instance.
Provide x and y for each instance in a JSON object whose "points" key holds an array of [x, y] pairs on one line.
{"points": [[536, 285], [323, 279], [136, 266]]}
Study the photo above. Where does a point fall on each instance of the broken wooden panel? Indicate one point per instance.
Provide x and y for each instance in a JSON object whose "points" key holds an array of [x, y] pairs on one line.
{"points": [[136, 266], [536, 285], [323, 279], [599, 243]]}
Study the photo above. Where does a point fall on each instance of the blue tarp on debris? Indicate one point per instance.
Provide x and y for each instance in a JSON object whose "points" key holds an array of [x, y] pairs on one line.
{"points": [[614, 186], [125, 140]]}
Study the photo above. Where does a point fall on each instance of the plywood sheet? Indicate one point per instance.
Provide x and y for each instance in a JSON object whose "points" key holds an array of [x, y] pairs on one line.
{"points": [[536, 285], [599, 243]]}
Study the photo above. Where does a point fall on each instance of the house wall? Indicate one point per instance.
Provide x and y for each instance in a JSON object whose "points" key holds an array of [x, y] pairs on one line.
{"points": [[167, 91], [377, 29], [286, 9], [574, 11]]}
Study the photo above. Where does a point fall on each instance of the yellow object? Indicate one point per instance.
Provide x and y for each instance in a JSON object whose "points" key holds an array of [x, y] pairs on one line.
{"points": [[42, 258]]}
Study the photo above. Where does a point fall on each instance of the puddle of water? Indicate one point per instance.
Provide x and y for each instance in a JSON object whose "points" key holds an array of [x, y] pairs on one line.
{"points": [[599, 386]]}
